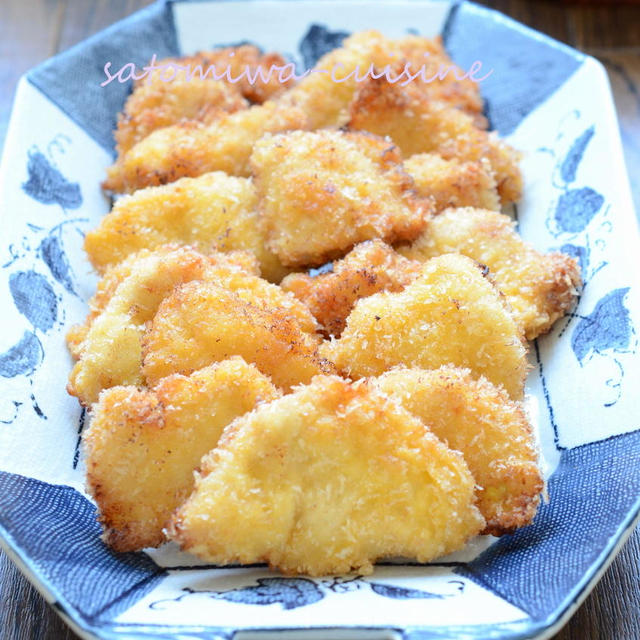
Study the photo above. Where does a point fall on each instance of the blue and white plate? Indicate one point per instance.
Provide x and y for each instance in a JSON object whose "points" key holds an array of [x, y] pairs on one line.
{"points": [[546, 99]]}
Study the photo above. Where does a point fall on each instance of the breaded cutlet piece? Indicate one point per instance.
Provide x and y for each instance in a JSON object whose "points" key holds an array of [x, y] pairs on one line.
{"points": [[201, 322], [111, 351], [212, 211], [161, 104], [144, 445], [490, 430], [370, 267], [453, 183], [324, 95], [192, 148], [114, 275], [540, 287], [421, 125], [450, 314], [322, 192], [327, 480], [229, 65]]}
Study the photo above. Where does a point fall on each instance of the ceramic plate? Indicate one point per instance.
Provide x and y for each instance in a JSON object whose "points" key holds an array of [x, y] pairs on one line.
{"points": [[546, 99]]}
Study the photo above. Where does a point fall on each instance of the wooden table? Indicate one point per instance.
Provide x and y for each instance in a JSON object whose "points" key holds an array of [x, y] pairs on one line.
{"points": [[33, 30]]}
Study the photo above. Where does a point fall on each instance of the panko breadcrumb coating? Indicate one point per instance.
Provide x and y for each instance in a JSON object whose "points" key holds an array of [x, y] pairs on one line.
{"points": [[490, 430], [115, 274], [213, 211], [451, 314], [421, 125], [452, 183], [368, 268], [229, 64], [143, 446], [540, 287], [201, 323], [111, 352], [161, 104], [325, 94], [192, 148], [327, 480], [322, 192]]}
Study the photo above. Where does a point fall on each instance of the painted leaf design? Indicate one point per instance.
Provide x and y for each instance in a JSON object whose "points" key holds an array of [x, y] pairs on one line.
{"points": [[576, 208], [22, 358], [402, 593], [581, 254], [55, 258], [290, 593], [47, 185], [607, 328], [318, 41], [570, 164], [34, 298]]}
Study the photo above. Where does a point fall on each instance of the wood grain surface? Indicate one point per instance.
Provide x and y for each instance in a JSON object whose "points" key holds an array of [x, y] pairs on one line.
{"points": [[33, 30]]}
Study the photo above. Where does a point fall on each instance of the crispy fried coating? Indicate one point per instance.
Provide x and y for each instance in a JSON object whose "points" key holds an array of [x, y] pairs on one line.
{"points": [[325, 94], [368, 268], [116, 273], [161, 104], [451, 314], [143, 446], [453, 183], [213, 211], [326, 480], [422, 125], [201, 323], [489, 429], [229, 64], [322, 192], [540, 288], [192, 148], [111, 352]]}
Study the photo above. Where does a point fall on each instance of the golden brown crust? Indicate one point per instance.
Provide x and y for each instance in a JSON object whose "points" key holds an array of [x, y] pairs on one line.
{"points": [[421, 125], [161, 104], [201, 323], [540, 288], [111, 351], [322, 192], [229, 65], [325, 96], [450, 314], [326, 480], [143, 446], [192, 149], [489, 429], [212, 211], [453, 183], [368, 268]]}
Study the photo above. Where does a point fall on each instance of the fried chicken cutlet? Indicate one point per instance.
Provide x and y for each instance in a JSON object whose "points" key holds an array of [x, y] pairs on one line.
{"points": [[327, 480], [450, 314], [422, 125], [324, 95], [192, 148], [368, 268], [489, 429], [453, 183], [111, 351], [235, 66], [213, 211], [201, 88], [201, 322], [144, 445], [540, 287], [322, 192], [162, 104]]}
